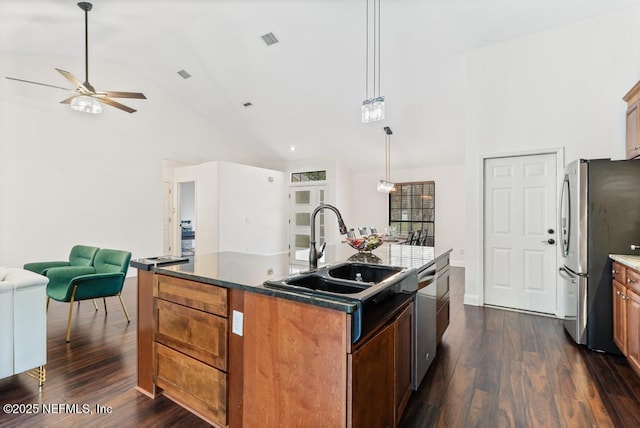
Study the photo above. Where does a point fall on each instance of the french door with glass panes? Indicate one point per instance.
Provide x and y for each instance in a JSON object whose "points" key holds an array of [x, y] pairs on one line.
{"points": [[302, 201]]}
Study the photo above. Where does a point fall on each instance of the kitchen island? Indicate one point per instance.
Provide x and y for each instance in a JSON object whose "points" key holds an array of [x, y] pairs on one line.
{"points": [[238, 353]]}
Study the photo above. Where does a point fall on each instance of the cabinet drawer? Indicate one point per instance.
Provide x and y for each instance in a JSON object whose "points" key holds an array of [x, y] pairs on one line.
{"points": [[193, 384], [633, 280], [618, 272], [208, 298], [195, 333]]}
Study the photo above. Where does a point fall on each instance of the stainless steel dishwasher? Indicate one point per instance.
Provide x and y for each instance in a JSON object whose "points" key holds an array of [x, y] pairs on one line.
{"points": [[425, 324]]}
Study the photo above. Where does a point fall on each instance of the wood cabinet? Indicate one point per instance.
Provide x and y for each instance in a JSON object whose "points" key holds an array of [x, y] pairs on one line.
{"points": [[620, 316], [380, 375], [302, 369], [372, 382], [191, 343], [626, 313], [633, 122]]}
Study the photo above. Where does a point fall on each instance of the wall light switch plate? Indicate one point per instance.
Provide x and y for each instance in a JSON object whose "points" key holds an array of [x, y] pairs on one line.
{"points": [[237, 323]]}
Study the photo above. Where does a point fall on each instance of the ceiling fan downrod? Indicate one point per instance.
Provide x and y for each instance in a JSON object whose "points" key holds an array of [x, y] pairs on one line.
{"points": [[86, 6]]}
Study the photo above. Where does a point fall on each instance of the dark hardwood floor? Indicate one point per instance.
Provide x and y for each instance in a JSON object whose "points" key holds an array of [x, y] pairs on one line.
{"points": [[494, 368], [499, 368]]}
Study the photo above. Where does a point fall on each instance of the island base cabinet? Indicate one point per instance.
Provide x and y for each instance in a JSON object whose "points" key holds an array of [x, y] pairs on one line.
{"points": [[195, 385]]}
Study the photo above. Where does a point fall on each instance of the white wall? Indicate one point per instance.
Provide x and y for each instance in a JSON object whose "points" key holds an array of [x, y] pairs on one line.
{"points": [[253, 209], [237, 207], [371, 206], [70, 178], [561, 88]]}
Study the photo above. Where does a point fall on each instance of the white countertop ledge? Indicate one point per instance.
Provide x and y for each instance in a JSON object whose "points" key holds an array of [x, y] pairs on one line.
{"points": [[627, 260]]}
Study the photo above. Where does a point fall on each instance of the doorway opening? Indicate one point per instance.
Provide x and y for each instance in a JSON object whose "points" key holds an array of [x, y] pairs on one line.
{"points": [[187, 216]]}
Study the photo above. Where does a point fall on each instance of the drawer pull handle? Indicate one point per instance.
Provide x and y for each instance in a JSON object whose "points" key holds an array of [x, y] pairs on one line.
{"points": [[618, 293], [629, 280], [614, 272]]}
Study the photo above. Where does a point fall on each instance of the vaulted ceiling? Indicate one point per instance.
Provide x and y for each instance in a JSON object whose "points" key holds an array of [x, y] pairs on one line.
{"points": [[306, 90]]}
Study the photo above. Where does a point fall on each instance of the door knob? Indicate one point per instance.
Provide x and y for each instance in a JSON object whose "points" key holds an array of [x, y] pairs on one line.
{"points": [[550, 241], [551, 231]]}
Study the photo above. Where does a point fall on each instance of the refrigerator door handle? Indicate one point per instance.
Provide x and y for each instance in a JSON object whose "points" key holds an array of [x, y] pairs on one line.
{"points": [[572, 274], [567, 274]]}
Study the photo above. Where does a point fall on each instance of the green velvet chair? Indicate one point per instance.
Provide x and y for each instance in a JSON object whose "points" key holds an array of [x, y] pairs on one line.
{"points": [[80, 255], [104, 279]]}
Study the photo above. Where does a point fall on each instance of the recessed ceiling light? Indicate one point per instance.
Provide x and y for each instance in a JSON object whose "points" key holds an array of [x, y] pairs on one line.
{"points": [[292, 148], [184, 74], [247, 104], [270, 39]]}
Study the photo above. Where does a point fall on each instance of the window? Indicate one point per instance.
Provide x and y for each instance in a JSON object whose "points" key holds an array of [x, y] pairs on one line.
{"points": [[298, 177], [412, 207]]}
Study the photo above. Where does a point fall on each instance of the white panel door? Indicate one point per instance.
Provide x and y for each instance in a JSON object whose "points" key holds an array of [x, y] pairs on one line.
{"points": [[520, 263]]}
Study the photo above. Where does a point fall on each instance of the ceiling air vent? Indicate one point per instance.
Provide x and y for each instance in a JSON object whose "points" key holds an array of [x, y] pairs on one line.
{"points": [[184, 74], [270, 39]]}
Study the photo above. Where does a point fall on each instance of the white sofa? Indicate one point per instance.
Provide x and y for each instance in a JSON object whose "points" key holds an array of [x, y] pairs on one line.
{"points": [[23, 323]]}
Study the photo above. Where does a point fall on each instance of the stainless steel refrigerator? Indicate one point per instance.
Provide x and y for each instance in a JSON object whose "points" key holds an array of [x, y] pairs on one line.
{"points": [[600, 215]]}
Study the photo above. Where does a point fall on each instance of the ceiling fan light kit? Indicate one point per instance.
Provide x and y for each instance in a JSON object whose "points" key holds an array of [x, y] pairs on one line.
{"points": [[87, 99], [86, 104]]}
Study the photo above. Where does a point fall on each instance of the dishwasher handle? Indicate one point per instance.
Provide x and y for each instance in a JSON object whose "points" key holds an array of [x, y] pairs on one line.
{"points": [[426, 277]]}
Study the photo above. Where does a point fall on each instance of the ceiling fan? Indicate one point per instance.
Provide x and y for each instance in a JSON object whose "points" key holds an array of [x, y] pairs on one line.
{"points": [[86, 98]]}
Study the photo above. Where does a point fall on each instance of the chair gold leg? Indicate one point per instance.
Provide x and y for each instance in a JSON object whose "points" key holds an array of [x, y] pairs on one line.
{"points": [[48, 298], [126, 314], [42, 371], [95, 305], [104, 301], [73, 295], [39, 373]]}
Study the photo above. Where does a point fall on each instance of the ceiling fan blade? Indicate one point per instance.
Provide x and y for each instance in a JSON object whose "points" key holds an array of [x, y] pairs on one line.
{"points": [[68, 100], [116, 94], [71, 78], [115, 104], [37, 83]]}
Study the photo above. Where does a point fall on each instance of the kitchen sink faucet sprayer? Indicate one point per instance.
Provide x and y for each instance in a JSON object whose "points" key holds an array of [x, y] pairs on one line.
{"points": [[314, 254]]}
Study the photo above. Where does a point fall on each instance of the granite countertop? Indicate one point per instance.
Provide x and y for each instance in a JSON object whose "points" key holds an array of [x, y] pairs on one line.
{"points": [[249, 271], [627, 260]]}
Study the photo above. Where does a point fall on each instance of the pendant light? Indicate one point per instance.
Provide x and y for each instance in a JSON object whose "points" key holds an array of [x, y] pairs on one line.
{"points": [[373, 107], [387, 185]]}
